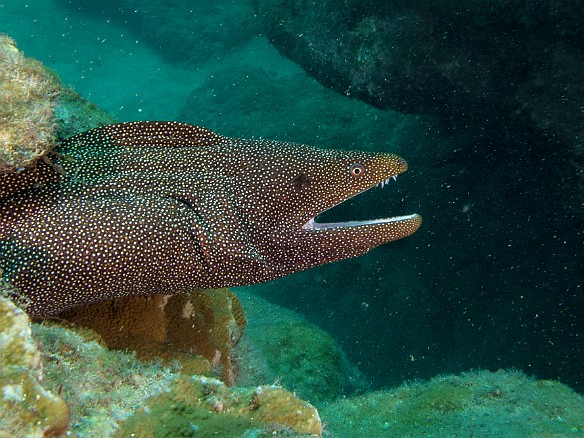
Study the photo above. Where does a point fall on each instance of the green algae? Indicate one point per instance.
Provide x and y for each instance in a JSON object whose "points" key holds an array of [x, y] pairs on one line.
{"points": [[479, 404], [186, 410], [111, 393], [101, 387], [307, 359], [200, 406], [182, 420]]}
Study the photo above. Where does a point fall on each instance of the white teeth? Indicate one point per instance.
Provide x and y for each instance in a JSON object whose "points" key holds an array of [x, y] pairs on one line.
{"points": [[382, 183], [311, 225]]}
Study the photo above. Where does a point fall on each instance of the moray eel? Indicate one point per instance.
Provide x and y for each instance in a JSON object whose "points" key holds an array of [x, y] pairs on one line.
{"points": [[163, 207]]}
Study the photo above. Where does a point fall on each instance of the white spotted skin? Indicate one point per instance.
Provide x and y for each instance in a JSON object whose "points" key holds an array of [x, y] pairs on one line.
{"points": [[164, 207]]}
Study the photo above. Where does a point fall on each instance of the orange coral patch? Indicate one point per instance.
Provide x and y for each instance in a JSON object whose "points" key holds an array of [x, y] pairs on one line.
{"points": [[199, 329]]}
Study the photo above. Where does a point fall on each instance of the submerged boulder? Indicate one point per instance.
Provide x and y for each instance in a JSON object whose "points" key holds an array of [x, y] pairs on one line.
{"points": [[486, 404], [510, 68]]}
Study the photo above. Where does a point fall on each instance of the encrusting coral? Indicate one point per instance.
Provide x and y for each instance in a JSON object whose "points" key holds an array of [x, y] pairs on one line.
{"points": [[199, 329], [28, 96], [209, 323]]}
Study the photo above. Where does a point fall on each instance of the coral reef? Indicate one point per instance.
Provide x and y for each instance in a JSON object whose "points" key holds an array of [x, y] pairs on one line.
{"points": [[111, 393], [199, 329], [28, 96], [27, 408], [209, 323], [486, 404], [100, 386]]}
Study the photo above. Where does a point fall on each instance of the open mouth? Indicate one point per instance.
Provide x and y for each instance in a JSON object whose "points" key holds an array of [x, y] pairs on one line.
{"points": [[313, 224]]}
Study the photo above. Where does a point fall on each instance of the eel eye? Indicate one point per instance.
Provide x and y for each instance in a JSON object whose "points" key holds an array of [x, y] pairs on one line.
{"points": [[356, 169]]}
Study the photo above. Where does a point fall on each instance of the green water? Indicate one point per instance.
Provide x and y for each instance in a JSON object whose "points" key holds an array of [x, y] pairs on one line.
{"points": [[493, 279]]}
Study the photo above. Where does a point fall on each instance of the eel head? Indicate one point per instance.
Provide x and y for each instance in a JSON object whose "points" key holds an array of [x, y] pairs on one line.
{"points": [[297, 184]]}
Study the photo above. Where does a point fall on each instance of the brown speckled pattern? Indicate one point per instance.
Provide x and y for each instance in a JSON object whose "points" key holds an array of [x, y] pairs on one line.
{"points": [[164, 207]]}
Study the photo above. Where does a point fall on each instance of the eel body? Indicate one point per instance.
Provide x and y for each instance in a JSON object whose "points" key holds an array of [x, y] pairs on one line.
{"points": [[163, 207]]}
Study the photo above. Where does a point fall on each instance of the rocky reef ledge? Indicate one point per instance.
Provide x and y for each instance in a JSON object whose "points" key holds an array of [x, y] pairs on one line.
{"points": [[503, 67], [112, 393]]}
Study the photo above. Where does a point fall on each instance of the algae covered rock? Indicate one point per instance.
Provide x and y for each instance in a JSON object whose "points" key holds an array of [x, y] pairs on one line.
{"points": [[480, 404], [26, 407], [101, 387], [28, 96], [202, 406], [75, 114], [280, 345], [111, 393], [36, 112], [444, 58]]}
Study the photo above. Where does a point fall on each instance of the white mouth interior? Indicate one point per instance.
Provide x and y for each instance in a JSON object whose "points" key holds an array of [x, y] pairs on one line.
{"points": [[312, 225]]}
